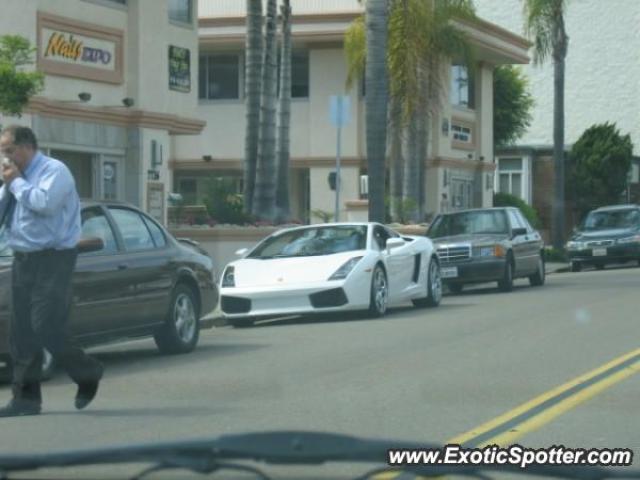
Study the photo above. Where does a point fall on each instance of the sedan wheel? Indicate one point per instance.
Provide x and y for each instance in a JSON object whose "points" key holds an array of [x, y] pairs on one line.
{"points": [[181, 328], [506, 283], [434, 287], [379, 293], [537, 279]]}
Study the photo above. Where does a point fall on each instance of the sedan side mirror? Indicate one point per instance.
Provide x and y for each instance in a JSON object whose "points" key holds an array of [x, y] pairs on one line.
{"points": [[516, 232], [241, 251], [90, 244]]}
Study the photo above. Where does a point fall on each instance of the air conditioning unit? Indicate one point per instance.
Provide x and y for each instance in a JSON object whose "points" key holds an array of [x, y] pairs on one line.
{"points": [[364, 186]]}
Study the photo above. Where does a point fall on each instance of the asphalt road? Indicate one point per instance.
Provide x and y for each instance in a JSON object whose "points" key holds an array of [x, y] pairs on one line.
{"points": [[422, 375]]}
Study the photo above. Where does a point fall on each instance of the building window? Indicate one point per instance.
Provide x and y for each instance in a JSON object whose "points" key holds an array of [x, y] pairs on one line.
{"points": [[188, 188], [300, 74], [461, 193], [461, 134], [511, 175], [462, 87], [635, 173], [110, 3], [180, 11], [219, 77]]}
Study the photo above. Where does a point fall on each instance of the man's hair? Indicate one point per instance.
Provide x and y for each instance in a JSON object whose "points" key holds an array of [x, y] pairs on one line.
{"points": [[22, 135]]}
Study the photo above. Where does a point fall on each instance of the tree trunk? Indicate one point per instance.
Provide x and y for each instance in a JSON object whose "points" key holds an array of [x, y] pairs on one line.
{"points": [[253, 64], [265, 189], [410, 189], [284, 119], [377, 88], [560, 45], [396, 160], [558, 155], [423, 140]]}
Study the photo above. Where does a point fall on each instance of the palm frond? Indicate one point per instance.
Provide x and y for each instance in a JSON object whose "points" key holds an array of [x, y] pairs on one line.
{"points": [[355, 48], [541, 19]]}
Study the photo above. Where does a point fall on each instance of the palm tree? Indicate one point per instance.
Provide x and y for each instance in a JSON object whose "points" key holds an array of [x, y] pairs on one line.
{"points": [[544, 23], [377, 97], [253, 64], [422, 41], [265, 188], [284, 118]]}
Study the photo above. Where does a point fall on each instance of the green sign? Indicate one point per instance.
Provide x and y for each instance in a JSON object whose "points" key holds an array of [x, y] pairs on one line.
{"points": [[179, 69]]}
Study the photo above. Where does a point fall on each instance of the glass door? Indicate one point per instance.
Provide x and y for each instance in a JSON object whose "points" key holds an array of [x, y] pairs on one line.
{"points": [[81, 166], [109, 177]]}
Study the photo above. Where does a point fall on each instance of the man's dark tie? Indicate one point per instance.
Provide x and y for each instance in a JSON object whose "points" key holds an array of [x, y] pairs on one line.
{"points": [[8, 212]]}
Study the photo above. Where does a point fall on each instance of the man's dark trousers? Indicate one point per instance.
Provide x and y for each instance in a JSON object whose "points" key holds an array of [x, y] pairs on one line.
{"points": [[41, 303]]}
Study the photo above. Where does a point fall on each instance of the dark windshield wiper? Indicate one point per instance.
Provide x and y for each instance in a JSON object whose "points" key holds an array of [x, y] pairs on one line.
{"points": [[284, 448]]}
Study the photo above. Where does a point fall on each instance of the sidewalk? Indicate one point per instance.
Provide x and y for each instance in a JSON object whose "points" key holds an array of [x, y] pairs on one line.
{"points": [[556, 267]]}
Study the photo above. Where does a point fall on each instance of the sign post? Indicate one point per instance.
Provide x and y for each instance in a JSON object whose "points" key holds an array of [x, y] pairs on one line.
{"points": [[339, 112]]}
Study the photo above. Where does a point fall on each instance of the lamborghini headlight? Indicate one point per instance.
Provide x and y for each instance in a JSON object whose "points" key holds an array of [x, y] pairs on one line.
{"points": [[345, 269], [229, 277]]}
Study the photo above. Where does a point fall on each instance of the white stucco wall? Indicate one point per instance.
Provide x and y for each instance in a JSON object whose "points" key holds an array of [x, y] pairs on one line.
{"points": [[602, 69], [312, 134], [147, 36], [234, 8]]}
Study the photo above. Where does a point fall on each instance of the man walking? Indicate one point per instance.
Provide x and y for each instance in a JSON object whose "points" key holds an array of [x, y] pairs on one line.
{"points": [[40, 209]]}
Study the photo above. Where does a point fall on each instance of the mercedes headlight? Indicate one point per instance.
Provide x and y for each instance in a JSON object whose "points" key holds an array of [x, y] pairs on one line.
{"points": [[571, 245], [490, 251], [345, 269], [229, 277], [633, 239]]}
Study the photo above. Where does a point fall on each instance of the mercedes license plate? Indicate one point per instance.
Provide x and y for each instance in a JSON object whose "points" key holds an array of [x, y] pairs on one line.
{"points": [[449, 272], [599, 252]]}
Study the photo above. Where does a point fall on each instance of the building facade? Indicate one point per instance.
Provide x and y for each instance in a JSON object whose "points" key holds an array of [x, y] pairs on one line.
{"points": [[601, 68], [459, 168], [120, 88]]}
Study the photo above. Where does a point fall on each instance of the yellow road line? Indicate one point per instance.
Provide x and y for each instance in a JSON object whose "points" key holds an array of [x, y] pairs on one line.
{"points": [[535, 421], [565, 404]]}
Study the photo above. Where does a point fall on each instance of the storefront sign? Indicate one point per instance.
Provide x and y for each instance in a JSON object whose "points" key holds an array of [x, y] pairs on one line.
{"points": [[179, 69], [77, 49], [155, 201]]}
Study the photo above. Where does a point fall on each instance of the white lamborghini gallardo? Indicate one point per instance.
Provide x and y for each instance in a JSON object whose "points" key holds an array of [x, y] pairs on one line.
{"points": [[327, 268]]}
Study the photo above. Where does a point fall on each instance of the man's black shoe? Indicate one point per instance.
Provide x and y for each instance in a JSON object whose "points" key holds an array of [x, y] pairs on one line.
{"points": [[87, 390], [20, 408]]}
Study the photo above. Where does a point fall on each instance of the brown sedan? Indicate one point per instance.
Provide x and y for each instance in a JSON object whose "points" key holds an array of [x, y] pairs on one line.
{"points": [[142, 282]]}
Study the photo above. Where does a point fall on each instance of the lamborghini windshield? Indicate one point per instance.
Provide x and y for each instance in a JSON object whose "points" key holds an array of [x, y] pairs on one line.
{"points": [[313, 241]]}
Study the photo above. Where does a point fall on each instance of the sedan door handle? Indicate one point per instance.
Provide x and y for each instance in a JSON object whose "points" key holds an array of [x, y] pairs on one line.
{"points": [[123, 266]]}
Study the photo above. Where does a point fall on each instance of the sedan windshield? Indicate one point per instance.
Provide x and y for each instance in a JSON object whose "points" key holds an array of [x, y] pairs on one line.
{"points": [[612, 219], [312, 242], [465, 223]]}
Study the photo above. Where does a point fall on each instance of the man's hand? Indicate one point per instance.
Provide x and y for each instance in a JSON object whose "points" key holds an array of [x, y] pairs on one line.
{"points": [[9, 173]]}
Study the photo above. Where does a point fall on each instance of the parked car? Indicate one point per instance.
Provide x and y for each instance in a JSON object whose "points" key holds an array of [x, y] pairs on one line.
{"points": [[608, 234], [486, 245], [330, 268], [141, 282]]}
